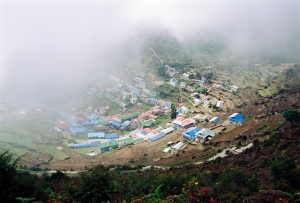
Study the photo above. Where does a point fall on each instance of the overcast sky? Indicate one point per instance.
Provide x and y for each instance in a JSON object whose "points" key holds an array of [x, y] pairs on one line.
{"points": [[47, 45]]}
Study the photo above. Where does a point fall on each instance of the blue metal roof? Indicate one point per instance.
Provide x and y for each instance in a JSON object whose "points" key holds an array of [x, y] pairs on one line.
{"points": [[236, 117], [96, 135], [111, 136], [169, 103], [117, 124], [73, 123], [191, 132], [78, 130], [89, 123], [153, 99]]}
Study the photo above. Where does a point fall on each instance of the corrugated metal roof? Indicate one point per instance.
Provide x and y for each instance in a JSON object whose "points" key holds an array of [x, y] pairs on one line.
{"points": [[96, 135], [178, 145], [110, 136], [155, 137]]}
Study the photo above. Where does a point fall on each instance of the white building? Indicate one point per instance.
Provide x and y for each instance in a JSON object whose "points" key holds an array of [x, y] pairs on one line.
{"points": [[234, 88], [197, 102], [220, 104], [204, 134], [133, 100], [186, 75]]}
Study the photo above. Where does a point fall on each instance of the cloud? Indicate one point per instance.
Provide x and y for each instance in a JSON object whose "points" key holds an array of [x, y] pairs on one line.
{"points": [[52, 45]]}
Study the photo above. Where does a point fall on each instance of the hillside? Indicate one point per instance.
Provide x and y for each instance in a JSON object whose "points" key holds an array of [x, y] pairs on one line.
{"points": [[266, 89], [267, 172]]}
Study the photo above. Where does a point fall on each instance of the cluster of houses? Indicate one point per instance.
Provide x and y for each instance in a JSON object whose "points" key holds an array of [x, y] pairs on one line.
{"points": [[99, 136], [108, 141], [205, 134], [97, 127]]}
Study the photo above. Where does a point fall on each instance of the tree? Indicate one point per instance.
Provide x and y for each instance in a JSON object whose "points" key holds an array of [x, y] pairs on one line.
{"points": [[292, 116], [173, 107], [161, 71], [95, 186], [173, 114], [174, 111]]}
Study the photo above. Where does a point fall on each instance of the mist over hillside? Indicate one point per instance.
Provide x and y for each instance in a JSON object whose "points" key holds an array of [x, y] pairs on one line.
{"points": [[52, 51]]}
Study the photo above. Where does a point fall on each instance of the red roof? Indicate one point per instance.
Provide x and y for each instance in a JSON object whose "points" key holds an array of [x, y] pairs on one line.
{"points": [[117, 119], [155, 110], [152, 116], [187, 122], [182, 104], [62, 124], [161, 102], [203, 96], [155, 131], [148, 130]]}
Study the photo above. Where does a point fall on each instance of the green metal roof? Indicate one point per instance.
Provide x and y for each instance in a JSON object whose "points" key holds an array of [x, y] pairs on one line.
{"points": [[137, 140], [147, 123], [111, 143], [131, 116], [102, 121], [124, 141]]}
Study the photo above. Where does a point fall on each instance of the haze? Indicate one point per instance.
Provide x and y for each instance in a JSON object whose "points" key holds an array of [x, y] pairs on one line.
{"points": [[52, 49]]}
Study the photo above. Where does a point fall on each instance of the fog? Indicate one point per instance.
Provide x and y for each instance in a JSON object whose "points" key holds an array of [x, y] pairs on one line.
{"points": [[51, 50]]}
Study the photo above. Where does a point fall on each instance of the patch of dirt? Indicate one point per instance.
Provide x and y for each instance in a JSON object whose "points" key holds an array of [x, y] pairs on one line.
{"points": [[232, 134], [30, 160]]}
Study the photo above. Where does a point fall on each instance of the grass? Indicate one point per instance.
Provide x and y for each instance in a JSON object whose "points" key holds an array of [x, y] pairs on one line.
{"points": [[217, 135], [277, 125], [53, 151], [162, 119], [85, 150], [247, 119], [146, 106], [262, 93], [30, 136], [263, 128], [114, 106]]}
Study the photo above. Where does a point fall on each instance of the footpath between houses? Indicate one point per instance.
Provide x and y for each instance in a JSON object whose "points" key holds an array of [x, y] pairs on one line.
{"points": [[225, 152], [222, 154]]}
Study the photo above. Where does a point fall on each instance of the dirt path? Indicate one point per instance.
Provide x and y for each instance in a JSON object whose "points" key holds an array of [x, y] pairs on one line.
{"points": [[161, 60]]}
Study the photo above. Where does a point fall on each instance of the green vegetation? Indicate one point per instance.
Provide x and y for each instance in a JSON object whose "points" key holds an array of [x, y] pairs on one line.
{"points": [[231, 179], [161, 71], [146, 106], [53, 151], [161, 118], [39, 136], [174, 111], [86, 150], [292, 116]]}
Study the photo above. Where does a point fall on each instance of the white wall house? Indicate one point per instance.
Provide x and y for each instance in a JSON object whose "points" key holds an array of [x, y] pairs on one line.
{"points": [[220, 104], [234, 88], [204, 134], [186, 75]]}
